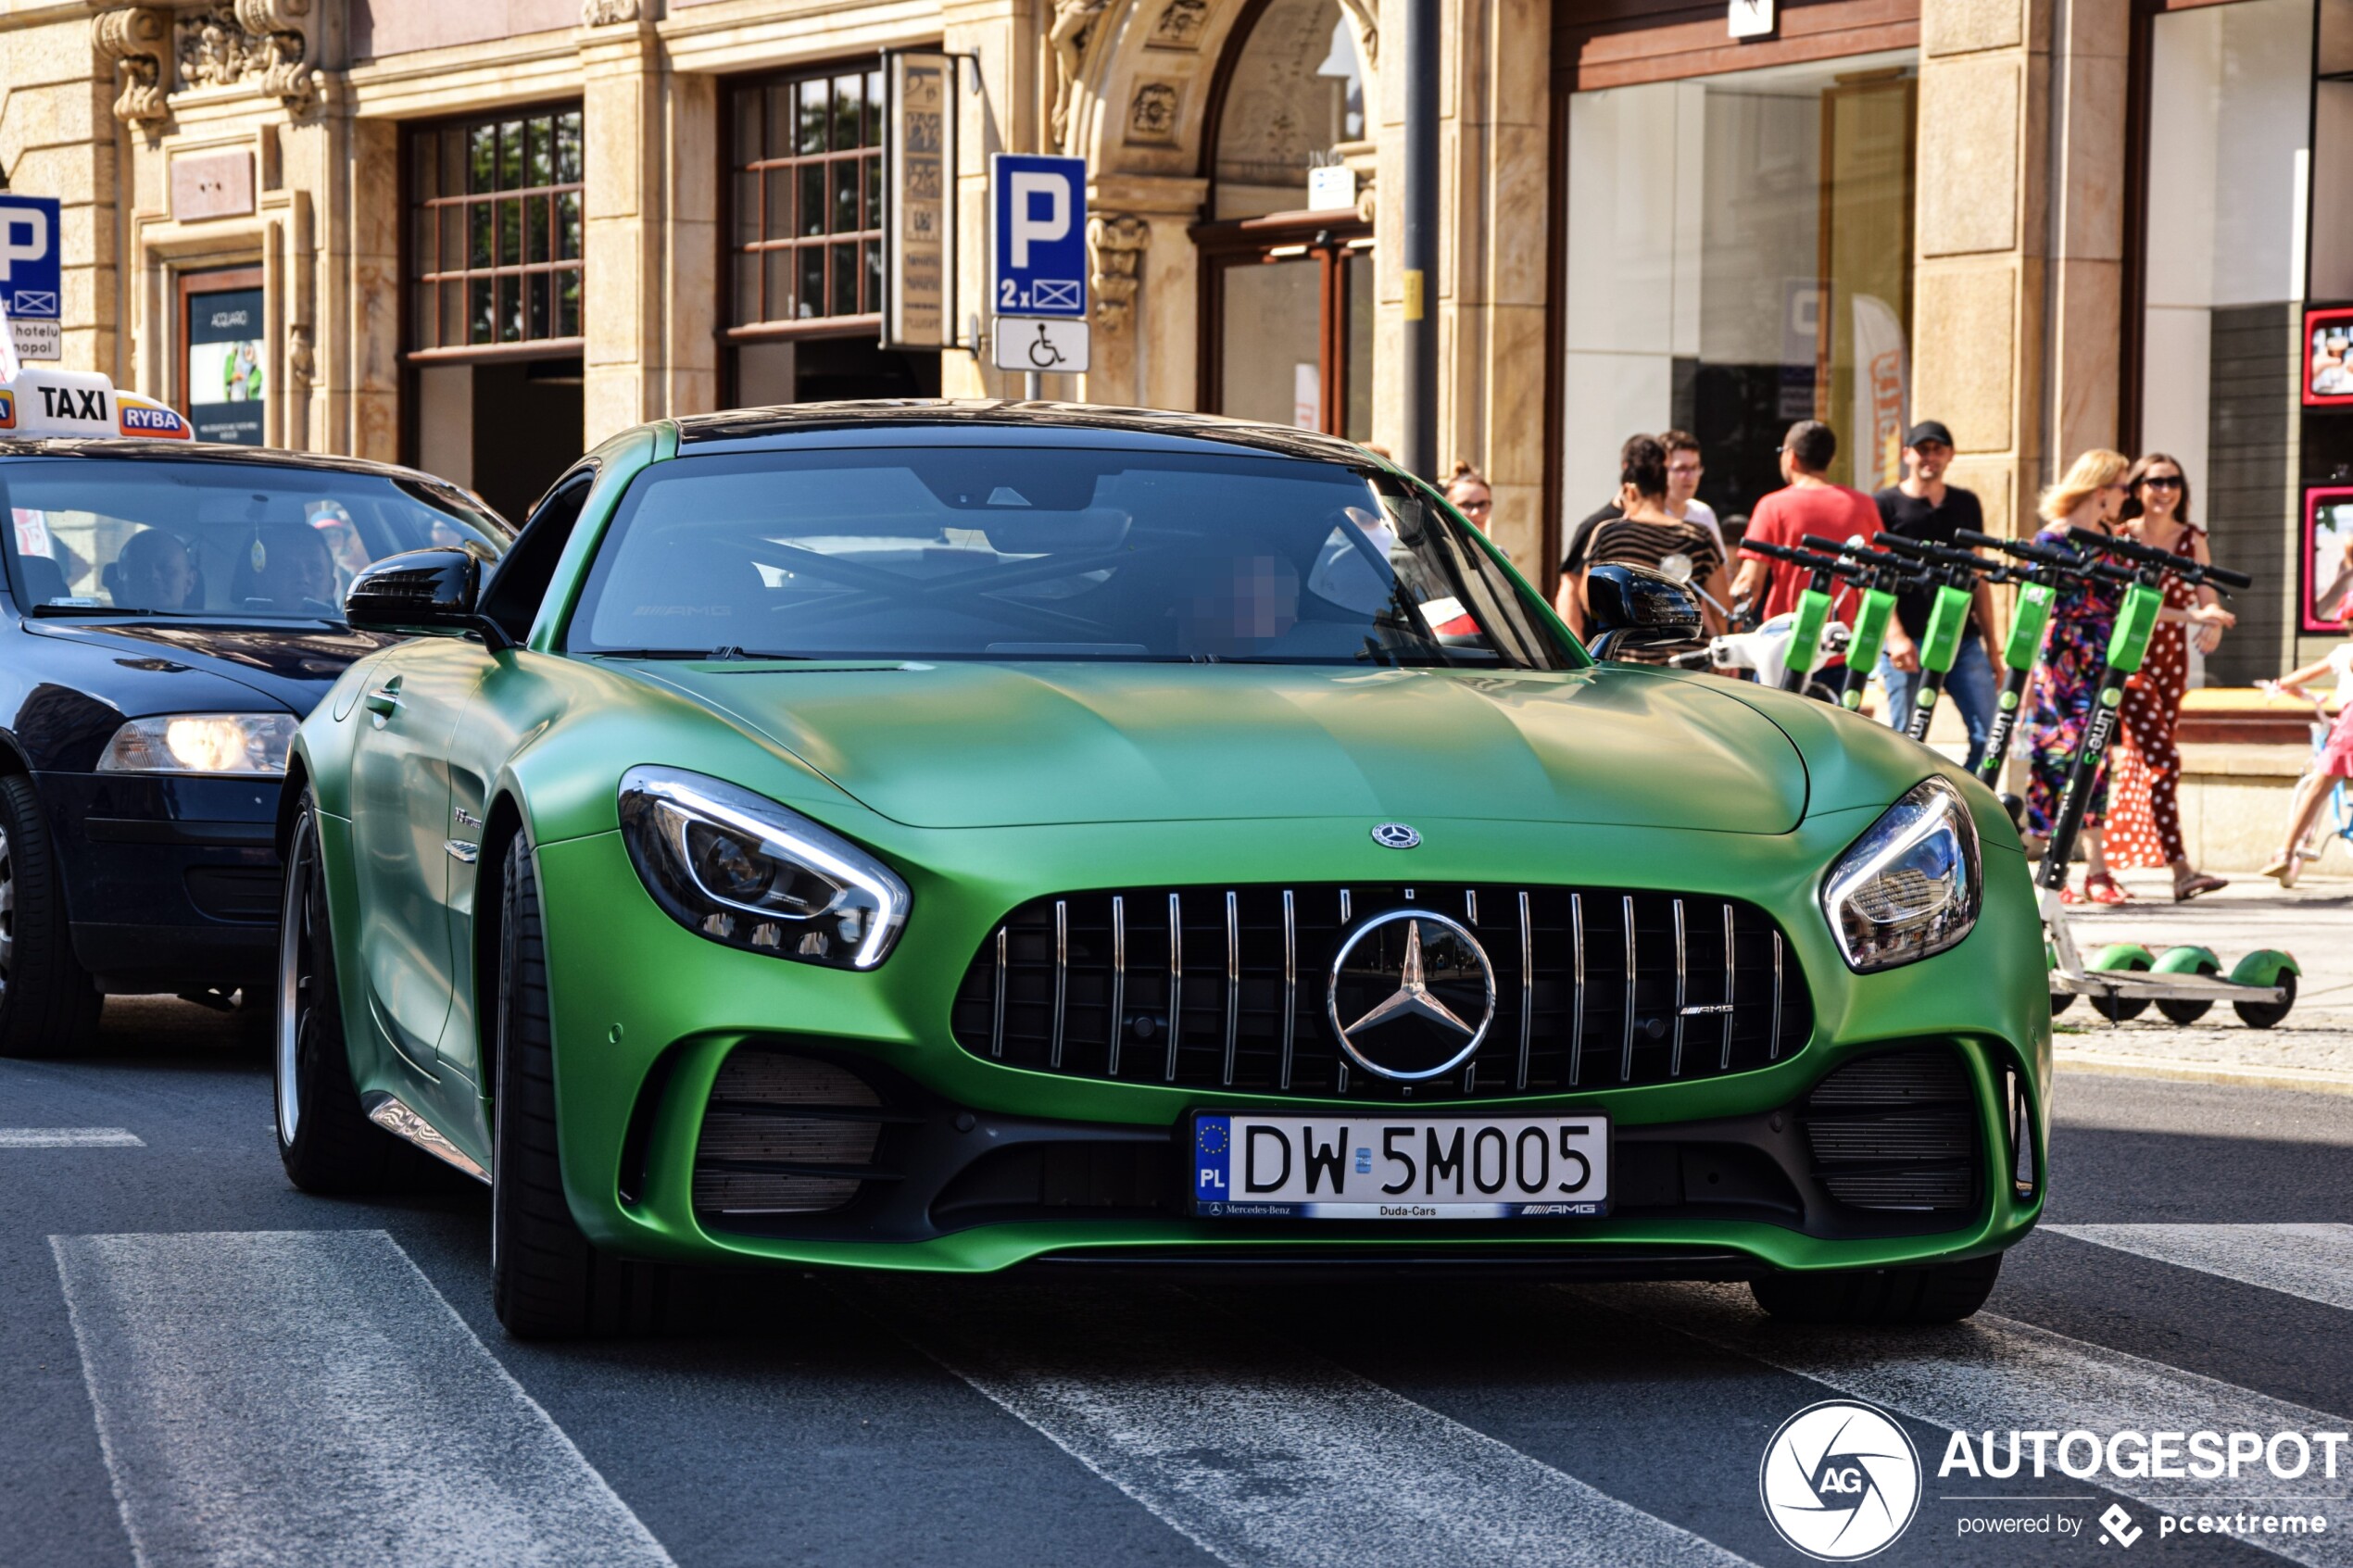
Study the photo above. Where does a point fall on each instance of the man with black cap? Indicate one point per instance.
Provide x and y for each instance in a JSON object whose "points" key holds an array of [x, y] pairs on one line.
{"points": [[1926, 509]]}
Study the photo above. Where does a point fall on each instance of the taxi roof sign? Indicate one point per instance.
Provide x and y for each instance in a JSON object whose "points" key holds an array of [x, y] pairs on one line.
{"points": [[84, 403]]}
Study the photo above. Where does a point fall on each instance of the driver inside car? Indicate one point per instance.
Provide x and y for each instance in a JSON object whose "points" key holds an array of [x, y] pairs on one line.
{"points": [[287, 569], [154, 572]]}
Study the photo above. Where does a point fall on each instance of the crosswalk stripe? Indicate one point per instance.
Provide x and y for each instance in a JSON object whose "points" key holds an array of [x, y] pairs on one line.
{"points": [[299, 1396], [69, 1137], [1264, 1456], [2314, 1262], [1994, 1373]]}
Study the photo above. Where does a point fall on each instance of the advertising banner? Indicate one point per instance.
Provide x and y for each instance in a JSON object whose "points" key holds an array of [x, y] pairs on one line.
{"points": [[919, 174], [226, 356]]}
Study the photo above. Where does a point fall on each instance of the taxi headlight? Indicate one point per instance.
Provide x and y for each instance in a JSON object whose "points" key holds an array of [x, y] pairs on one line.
{"points": [[250, 743], [739, 868], [1909, 889]]}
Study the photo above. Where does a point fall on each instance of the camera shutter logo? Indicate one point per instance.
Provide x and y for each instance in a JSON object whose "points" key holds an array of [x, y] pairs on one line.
{"points": [[1841, 1480]]}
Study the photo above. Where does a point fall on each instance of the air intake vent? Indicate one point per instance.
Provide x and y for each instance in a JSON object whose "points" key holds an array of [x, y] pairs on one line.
{"points": [[784, 1134], [1896, 1132], [1225, 988]]}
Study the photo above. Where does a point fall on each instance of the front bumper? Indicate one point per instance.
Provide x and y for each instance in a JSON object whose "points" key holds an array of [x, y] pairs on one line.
{"points": [[170, 883], [992, 1165]]}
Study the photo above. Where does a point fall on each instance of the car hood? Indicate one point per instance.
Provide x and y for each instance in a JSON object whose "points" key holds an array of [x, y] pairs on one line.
{"points": [[970, 745], [292, 665]]}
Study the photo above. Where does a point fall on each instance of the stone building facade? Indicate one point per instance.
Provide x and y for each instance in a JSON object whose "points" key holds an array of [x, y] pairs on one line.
{"points": [[478, 233]]}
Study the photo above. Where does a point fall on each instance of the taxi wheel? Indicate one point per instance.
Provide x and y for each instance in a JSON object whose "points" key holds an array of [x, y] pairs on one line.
{"points": [[547, 1279], [1923, 1294], [49, 1005], [325, 1140]]}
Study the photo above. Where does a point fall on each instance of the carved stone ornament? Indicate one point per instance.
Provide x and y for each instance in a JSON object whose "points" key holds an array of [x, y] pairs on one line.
{"points": [[1073, 29], [1118, 241], [1152, 116], [606, 13], [285, 44], [1180, 25], [302, 362], [271, 45], [138, 40]]}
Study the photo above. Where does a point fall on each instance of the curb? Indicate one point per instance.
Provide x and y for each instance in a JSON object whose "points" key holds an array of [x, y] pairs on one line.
{"points": [[2309, 1080]]}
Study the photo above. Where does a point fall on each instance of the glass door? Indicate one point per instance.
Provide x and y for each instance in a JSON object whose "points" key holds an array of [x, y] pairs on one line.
{"points": [[1292, 333]]}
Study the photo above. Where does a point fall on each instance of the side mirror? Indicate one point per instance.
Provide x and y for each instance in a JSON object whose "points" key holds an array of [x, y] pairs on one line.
{"points": [[417, 590], [1634, 607]]}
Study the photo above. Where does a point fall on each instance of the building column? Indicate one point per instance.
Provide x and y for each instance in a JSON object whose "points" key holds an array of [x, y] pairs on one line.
{"points": [[59, 137], [1003, 118], [2017, 313], [624, 309]]}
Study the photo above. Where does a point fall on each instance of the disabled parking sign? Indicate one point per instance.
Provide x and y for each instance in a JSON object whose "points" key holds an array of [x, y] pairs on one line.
{"points": [[1037, 241], [31, 266]]}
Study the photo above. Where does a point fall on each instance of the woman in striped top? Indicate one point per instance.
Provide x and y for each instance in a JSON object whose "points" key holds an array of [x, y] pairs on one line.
{"points": [[1646, 534]]}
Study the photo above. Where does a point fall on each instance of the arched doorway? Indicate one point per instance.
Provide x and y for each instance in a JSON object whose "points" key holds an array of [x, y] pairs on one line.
{"points": [[1286, 260]]}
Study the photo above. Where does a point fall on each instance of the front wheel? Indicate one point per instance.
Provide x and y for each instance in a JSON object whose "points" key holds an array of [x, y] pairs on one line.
{"points": [[325, 1140], [547, 1279], [48, 1004], [1912, 1297]]}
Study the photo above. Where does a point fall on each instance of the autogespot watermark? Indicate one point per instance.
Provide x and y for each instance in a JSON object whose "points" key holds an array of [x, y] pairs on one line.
{"points": [[1842, 1481]]}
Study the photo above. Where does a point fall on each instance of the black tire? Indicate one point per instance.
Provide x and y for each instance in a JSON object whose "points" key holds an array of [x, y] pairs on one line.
{"points": [[2123, 1010], [1922, 1295], [48, 1004], [2182, 1011], [547, 1279], [2262, 1015], [325, 1140], [2061, 1001]]}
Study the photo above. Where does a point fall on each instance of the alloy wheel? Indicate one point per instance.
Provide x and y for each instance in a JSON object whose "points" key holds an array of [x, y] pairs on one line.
{"points": [[293, 1023], [8, 914]]}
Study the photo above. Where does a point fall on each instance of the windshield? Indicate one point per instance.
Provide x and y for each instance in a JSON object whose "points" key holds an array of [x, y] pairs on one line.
{"points": [[1047, 553], [225, 540]]}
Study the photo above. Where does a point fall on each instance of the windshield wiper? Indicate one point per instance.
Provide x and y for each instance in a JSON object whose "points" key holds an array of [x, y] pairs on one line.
{"points": [[46, 611], [650, 653]]}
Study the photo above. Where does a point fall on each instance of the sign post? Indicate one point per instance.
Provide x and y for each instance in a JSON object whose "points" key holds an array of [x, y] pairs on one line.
{"points": [[919, 176], [31, 265], [1038, 264]]}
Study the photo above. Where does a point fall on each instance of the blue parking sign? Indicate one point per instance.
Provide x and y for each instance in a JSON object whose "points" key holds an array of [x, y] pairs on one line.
{"points": [[1037, 210], [31, 262]]}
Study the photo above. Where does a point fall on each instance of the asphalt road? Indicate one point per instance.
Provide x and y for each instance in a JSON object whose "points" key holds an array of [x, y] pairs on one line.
{"points": [[203, 1366]]}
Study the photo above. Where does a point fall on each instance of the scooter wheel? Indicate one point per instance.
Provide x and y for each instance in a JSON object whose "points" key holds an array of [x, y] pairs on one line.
{"points": [[2120, 1009], [2182, 1010], [2061, 1001], [2262, 1015]]}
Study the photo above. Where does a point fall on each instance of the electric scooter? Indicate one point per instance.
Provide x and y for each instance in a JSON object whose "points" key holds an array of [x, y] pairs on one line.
{"points": [[1803, 651], [2040, 572], [1881, 576], [2124, 978], [1955, 573]]}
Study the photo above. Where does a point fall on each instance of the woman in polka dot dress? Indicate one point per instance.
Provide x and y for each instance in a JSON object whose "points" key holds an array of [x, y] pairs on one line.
{"points": [[2144, 820]]}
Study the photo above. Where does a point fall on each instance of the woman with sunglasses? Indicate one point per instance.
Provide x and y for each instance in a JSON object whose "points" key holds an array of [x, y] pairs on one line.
{"points": [[2144, 820], [1469, 490]]}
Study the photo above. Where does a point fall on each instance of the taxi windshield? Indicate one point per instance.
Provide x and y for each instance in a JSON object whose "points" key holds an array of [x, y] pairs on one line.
{"points": [[94, 536]]}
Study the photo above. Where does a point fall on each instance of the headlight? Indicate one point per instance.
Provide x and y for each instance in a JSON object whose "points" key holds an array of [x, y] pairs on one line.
{"points": [[739, 868], [202, 743], [1909, 889]]}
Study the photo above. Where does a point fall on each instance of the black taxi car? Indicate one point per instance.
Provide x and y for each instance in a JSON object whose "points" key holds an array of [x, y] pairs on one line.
{"points": [[173, 610]]}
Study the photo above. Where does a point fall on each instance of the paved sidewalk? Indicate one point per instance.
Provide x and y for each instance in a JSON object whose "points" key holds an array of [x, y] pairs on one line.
{"points": [[2312, 1049]]}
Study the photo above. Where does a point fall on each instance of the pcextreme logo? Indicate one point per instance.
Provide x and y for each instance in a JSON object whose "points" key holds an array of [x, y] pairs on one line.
{"points": [[1841, 1480]]}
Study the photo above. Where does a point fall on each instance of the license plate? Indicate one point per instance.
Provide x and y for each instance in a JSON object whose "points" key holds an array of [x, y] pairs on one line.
{"points": [[1399, 1168]]}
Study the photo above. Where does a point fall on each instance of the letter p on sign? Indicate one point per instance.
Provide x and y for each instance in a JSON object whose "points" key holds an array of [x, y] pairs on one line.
{"points": [[24, 236], [1028, 225]]}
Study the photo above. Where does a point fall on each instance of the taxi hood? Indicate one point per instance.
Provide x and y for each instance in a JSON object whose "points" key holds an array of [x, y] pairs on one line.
{"points": [[956, 745]]}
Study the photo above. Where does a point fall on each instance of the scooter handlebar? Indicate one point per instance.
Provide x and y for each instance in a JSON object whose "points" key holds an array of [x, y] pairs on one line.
{"points": [[1966, 561], [2181, 566]]}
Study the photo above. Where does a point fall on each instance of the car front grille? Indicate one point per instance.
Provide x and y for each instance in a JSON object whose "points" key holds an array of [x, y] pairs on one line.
{"points": [[784, 1134], [1595, 989], [1896, 1132]]}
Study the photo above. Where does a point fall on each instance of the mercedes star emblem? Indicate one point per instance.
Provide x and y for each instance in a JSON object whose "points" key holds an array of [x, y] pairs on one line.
{"points": [[1420, 990], [1395, 835]]}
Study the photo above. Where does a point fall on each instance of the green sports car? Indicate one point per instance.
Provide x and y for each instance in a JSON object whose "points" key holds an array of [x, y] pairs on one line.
{"points": [[943, 837]]}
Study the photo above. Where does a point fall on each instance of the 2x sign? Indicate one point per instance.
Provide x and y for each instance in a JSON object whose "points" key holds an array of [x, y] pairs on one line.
{"points": [[31, 270], [1039, 248]]}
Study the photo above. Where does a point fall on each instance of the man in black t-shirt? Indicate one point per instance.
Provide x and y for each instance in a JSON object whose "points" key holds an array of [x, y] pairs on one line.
{"points": [[1926, 509]]}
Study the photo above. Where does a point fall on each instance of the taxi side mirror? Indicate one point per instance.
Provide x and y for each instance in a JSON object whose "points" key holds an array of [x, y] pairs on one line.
{"points": [[1634, 607]]}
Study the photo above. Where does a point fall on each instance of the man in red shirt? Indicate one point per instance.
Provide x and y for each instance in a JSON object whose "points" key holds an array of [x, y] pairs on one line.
{"points": [[1810, 504]]}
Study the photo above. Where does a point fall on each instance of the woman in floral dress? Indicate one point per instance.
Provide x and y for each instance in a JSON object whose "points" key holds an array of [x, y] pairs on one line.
{"points": [[2061, 692], [2145, 816]]}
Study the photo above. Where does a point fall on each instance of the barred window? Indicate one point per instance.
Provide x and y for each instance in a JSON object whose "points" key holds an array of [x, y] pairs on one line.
{"points": [[496, 250], [806, 197]]}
